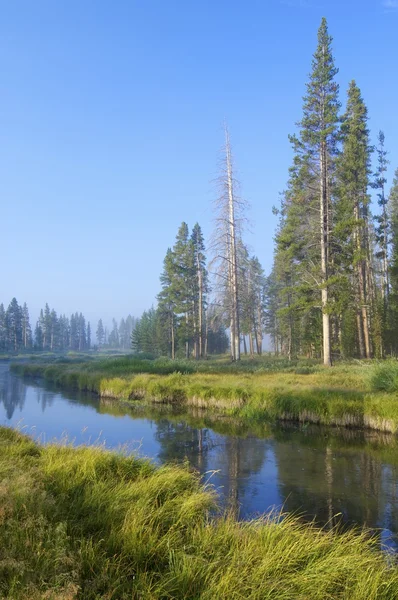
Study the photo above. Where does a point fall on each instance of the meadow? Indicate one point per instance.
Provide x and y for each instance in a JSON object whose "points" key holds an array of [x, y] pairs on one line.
{"points": [[357, 394]]}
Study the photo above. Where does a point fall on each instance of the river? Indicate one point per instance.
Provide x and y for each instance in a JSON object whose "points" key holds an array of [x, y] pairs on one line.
{"points": [[326, 474]]}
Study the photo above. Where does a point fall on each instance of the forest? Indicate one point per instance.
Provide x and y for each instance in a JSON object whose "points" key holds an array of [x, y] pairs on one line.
{"points": [[333, 289]]}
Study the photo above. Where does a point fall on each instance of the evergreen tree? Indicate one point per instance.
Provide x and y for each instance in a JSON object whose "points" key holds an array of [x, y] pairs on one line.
{"points": [[38, 336], [114, 335], [200, 290], [393, 269], [100, 333], [3, 329], [315, 149], [167, 308], [82, 332], [74, 332], [14, 326], [46, 326], [382, 224], [351, 233], [88, 335], [26, 328]]}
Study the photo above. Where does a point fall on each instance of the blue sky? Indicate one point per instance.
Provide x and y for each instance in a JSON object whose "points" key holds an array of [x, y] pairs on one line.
{"points": [[111, 124]]}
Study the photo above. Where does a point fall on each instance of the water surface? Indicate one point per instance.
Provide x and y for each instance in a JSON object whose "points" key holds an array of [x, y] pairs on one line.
{"points": [[328, 474]]}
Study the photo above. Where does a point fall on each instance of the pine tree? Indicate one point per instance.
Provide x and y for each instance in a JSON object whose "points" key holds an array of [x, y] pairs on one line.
{"points": [[114, 335], [88, 335], [38, 336], [167, 307], [3, 330], [46, 326], [316, 145], [351, 234], [201, 289], [393, 269], [100, 333], [14, 326], [26, 328], [382, 224], [74, 332], [183, 283]]}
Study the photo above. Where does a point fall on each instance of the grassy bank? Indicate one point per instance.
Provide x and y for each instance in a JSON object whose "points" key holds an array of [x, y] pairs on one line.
{"points": [[86, 523], [352, 395]]}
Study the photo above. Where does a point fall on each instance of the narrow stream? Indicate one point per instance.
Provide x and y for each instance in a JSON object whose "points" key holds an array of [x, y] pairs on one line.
{"points": [[328, 474]]}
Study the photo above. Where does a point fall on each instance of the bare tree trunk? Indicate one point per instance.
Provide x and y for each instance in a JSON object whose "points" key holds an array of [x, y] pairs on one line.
{"points": [[233, 255], [244, 345], [324, 206], [206, 338], [187, 339], [173, 353], [259, 331], [195, 333], [251, 347], [200, 307]]}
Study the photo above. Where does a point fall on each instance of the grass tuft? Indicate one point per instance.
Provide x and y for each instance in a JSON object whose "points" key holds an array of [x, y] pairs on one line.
{"points": [[88, 524]]}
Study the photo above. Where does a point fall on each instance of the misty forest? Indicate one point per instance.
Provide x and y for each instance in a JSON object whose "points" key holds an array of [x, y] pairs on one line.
{"points": [[238, 439]]}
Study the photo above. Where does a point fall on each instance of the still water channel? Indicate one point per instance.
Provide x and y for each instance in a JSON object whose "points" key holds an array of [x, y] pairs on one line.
{"points": [[328, 474]]}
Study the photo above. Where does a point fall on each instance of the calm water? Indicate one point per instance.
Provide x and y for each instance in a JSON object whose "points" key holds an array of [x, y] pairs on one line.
{"points": [[328, 474]]}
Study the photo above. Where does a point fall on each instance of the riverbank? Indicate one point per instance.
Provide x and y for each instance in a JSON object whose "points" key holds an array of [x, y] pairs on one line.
{"points": [[354, 395], [86, 523]]}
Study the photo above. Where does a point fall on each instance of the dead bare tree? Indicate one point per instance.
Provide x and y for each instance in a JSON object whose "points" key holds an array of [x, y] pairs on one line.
{"points": [[229, 208]]}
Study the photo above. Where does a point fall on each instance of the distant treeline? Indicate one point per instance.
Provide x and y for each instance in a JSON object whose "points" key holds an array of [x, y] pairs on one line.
{"points": [[120, 335], [58, 333], [52, 332]]}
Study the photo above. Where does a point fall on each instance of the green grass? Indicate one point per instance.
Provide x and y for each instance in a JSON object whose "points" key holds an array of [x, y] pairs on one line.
{"points": [[385, 376], [352, 395], [89, 524]]}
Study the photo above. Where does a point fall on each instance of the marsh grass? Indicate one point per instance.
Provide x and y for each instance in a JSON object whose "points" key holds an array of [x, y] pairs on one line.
{"points": [[384, 376], [350, 395], [88, 524]]}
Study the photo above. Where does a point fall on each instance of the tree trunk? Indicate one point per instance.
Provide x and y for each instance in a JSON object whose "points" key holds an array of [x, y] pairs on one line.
{"points": [[206, 338], [173, 353], [324, 206], [251, 344], [233, 254], [200, 308], [186, 339]]}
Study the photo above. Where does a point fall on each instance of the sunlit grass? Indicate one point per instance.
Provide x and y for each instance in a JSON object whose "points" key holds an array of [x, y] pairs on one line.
{"points": [[359, 394], [90, 524]]}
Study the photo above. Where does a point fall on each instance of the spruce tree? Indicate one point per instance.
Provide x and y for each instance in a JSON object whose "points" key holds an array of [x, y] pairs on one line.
{"points": [[167, 306], [393, 298], [14, 326], [26, 328], [88, 335], [200, 291], [351, 223], [316, 146], [100, 333], [382, 224]]}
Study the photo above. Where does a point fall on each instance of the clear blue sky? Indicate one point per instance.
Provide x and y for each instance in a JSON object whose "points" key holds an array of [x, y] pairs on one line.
{"points": [[111, 123]]}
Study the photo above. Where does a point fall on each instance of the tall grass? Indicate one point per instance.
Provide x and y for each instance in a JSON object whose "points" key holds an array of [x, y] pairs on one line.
{"points": [[384, 376], [342, 396], [88, 524]]}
